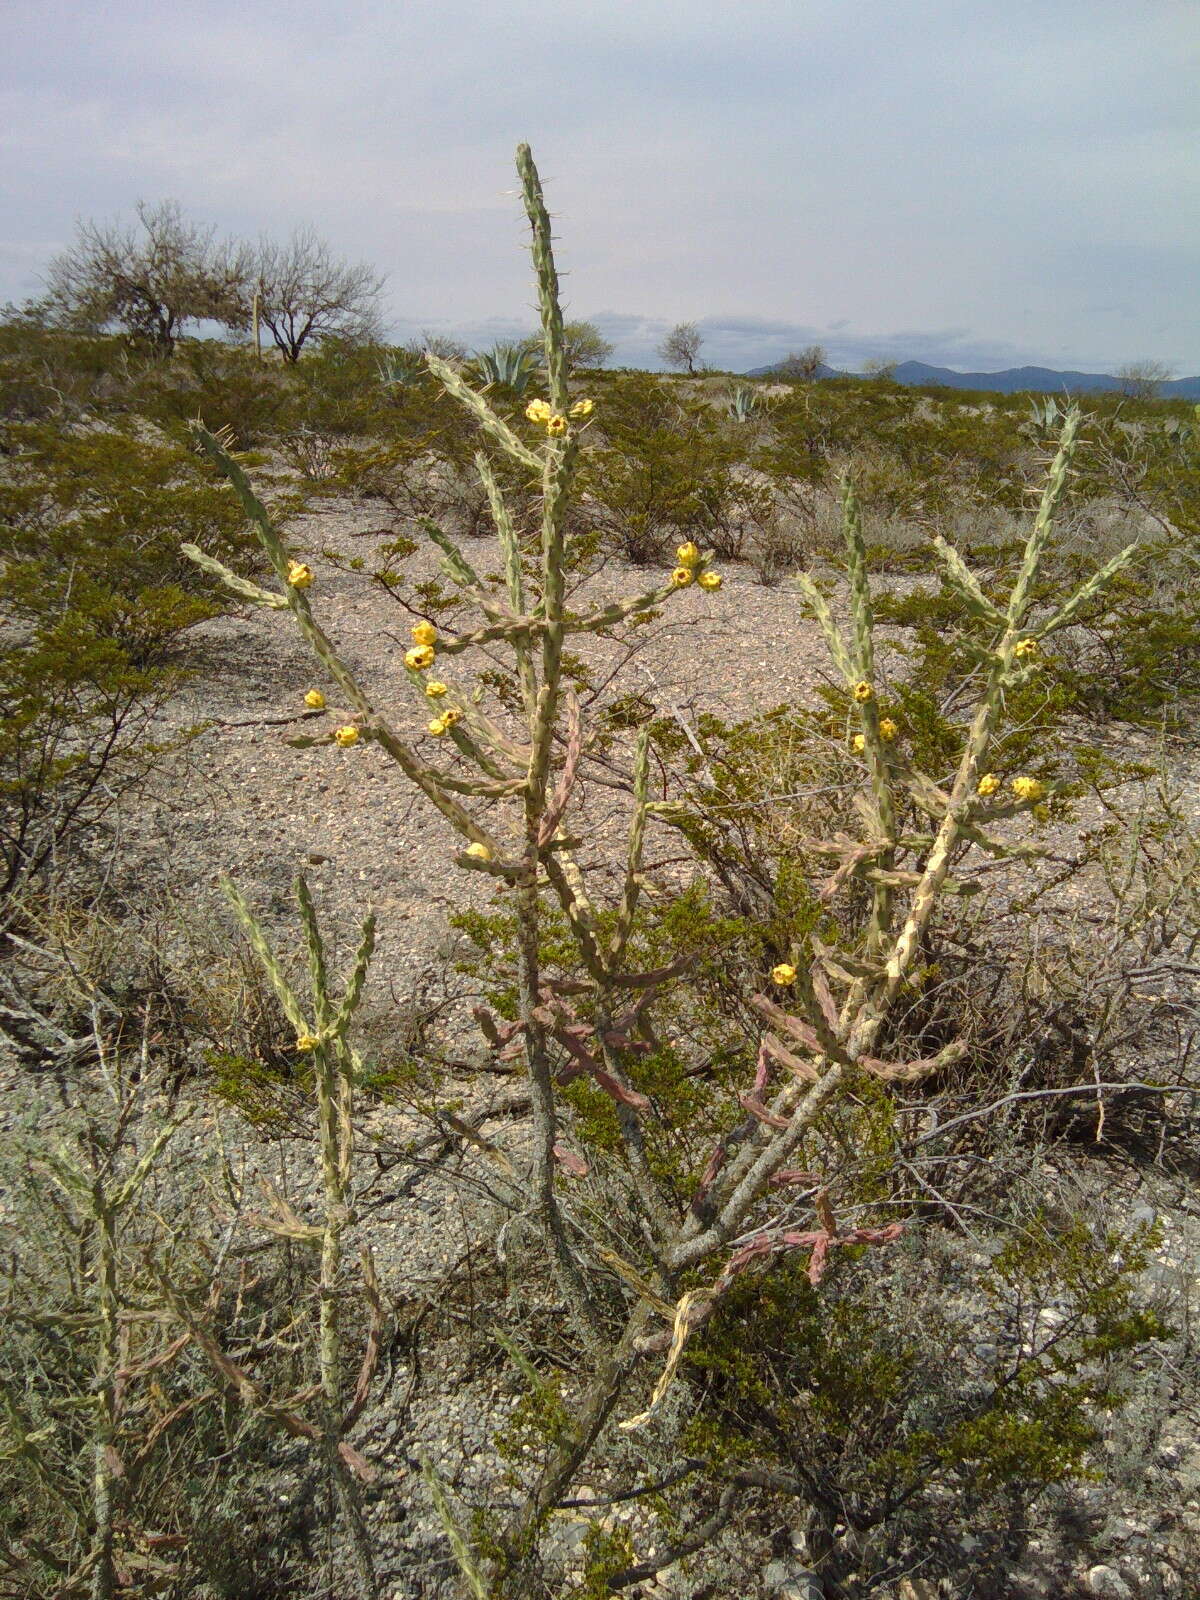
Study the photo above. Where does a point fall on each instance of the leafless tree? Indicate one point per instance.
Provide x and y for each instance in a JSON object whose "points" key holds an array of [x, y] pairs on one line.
{"points": [[681, 346], [1142, 380], [306, 293], [149, 281], [443, 345], [804, 366]]}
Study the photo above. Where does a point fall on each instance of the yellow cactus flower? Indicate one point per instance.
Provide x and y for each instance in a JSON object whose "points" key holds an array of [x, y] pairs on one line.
{"points": [[556, 425], [1028, 788], [987, 785], [688, 555], [347, 736], [888, 730], [710, 580], [438, 727], [479, 852], [424, 633], [681, 577], [1026, 648], [583, 408], [315, 700], [434, 688], [538, 411], [863, 691], [299, 574], [783, 974], [419, 657], [307, 1041], [451, 715], [860, 742]]}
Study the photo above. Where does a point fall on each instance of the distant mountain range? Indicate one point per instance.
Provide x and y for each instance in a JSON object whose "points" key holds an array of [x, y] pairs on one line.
{"points": [[1014, 380]]}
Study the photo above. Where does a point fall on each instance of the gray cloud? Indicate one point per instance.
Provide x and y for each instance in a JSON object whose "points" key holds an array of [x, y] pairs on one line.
{"points": [[981, 183]]}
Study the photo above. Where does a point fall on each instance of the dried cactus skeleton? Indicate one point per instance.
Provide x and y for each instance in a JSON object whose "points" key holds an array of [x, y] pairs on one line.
{"points": [[820, 1043]]}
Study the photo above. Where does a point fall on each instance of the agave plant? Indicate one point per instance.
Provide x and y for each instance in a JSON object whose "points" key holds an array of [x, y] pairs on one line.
{"points": [[1045, 416], [743, 403], [509, 365], [403, 366]]}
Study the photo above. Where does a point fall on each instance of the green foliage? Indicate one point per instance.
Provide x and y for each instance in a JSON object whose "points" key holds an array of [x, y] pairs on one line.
{"points": [[75, 711], [94, 590], [93, 519], [224, 384], [910, 1383], [667, 468]]}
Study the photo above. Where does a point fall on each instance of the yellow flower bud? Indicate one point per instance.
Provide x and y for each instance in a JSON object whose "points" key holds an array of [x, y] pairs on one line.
{"points": [[315, 700], [424, 633], [451, 715], [556, 425], [710, 581], [1028, 788], [860, 742], [479, 852], [438, 727], [687, 554], [419, 657], [433, 688], [583, 408], [299, 574], [987, 785], [682, 576], [783, 974], [863, 691], [307, 1041], [1026, 648], [888, 729], [538, 411], [347, 736]]}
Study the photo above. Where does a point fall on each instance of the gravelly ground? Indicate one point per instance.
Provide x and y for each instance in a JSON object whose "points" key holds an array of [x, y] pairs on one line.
{"points": [[240, 801]]}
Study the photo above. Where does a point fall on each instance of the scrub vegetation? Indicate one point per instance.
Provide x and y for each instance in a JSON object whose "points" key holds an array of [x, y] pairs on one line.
{"points": [[800, 1258]]}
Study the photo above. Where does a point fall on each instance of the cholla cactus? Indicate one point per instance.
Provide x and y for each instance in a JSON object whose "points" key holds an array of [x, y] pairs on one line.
{"points": [[817, 1043], [539, 768], [321, 1034]]}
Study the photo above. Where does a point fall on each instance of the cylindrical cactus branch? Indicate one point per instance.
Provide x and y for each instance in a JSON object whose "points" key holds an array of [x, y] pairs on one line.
{"points": [[862, 618], [547, 279], [335, 1066]]}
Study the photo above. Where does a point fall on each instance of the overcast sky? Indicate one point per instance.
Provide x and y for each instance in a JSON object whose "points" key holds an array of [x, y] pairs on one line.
{"points": [[975, 183]]}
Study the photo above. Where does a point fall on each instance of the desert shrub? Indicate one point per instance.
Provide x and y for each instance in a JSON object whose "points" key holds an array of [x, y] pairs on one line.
{"points": [[75, 735], [668, 468], [93, 518], [114, 1429], [46, 372], [223, 383], [92, 595], [920, 1398]]}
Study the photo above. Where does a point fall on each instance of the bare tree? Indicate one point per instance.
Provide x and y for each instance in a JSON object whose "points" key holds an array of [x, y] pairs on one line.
{"points": [[151, 282], [804, 366], [681, 346], [1142, 380], [305, 293], [443, 345]]}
